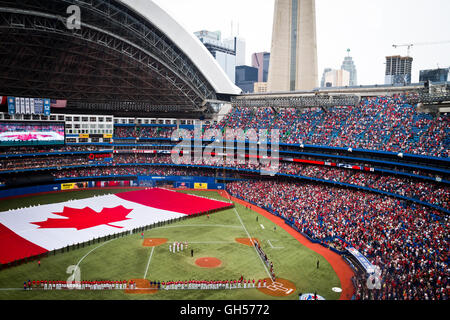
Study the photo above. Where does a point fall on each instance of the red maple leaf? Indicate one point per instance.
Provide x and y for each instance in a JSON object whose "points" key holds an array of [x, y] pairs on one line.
{"points": [[86, 218]]}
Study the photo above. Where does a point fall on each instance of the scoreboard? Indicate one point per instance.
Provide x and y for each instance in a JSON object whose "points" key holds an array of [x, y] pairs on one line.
{"points": [[24, 133], [21, 105]]}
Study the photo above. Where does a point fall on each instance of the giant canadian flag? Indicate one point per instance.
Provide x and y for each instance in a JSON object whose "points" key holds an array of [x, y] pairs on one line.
{"points": [[36, 230]]}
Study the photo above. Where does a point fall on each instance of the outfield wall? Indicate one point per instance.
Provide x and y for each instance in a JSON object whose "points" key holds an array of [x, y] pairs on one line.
{"points": [[15, 192], [200, 183], [189, 182]]}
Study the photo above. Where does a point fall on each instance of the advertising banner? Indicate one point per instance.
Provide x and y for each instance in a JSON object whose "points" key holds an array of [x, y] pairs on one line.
{"points": [[11, 105], [47, 107], [68, 186], [200, 185]]}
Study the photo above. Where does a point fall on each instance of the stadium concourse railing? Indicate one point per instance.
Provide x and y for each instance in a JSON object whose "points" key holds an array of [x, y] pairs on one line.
{"points": [[107, 238], [340, 157], [53, 153], [321, 163], [291, 176], [445, 162], [349, 149]]}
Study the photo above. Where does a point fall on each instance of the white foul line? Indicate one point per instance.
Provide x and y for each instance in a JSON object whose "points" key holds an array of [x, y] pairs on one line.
{"points": [[78, 264], [270, 243], [148, 263], [211, 242], [253, 245], [200, 225]]}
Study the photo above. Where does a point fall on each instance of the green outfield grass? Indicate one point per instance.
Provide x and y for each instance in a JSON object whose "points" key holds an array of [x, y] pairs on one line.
{"points": [[125, 258]]}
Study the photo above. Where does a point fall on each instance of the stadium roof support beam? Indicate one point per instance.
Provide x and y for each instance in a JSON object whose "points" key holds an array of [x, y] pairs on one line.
{"points": [[116, 55], [319, 101]]}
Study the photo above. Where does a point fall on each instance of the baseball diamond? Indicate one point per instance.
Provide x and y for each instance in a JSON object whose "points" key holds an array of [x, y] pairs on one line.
{"points": [[219, 261]]}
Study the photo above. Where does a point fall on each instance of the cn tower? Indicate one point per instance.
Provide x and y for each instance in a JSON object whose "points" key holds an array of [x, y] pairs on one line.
{"points": [[293, 56]]}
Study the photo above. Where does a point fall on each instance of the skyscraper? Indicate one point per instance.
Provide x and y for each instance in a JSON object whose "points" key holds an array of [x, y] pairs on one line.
{"points": [[349, 66], [398, 70], [293, 56], [223, 53], [238, 44], [434, 75], [322, 82], [336, 78], [246, 77], [261, 61]]}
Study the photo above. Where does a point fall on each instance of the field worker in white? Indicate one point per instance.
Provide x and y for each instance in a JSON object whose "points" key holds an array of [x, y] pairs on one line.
{"points": [[170, 247], [181, 246]]}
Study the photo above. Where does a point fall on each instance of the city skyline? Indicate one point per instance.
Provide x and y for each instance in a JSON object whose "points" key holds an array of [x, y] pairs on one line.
{"points": [[340, 25]]}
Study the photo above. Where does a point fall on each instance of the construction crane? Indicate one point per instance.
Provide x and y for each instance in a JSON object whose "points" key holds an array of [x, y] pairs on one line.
{"points": [[410, 45]]}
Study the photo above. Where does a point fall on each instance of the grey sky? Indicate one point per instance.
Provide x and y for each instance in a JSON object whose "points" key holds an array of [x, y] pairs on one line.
{"points": [[368, 28]]}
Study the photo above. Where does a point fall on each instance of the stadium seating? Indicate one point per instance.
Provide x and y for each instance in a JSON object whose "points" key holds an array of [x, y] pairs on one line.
{"points": [[408, 242], [379, 123], [425, 191]]}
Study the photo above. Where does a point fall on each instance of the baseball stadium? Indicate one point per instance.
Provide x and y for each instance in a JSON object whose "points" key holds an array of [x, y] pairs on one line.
{"points": [[133, 168]]}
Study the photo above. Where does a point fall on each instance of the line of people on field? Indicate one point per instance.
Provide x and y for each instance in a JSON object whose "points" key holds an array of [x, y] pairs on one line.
{"points": [[214, 284], [79, 285]]}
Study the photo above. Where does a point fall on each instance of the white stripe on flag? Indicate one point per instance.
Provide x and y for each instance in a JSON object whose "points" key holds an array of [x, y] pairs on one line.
{"points": [[20, 221]]}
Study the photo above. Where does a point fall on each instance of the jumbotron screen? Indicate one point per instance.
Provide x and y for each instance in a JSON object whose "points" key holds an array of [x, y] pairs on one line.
{"points": [[14, 133]]}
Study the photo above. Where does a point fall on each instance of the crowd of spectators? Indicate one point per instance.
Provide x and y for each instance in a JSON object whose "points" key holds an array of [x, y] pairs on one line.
{"points": [[378, 123], [408, 242], [136, 171], [42, 162], [427, 191], [430, 192], [51, 149], [142, 132]]}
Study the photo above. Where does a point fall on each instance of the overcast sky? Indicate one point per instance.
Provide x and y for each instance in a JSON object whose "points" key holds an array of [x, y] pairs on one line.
{"points": [[368, 28]]}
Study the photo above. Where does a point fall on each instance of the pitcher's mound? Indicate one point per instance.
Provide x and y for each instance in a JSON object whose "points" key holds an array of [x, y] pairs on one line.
{"points": [[278, 288], [246, 241], [142, 287], [153, 242], [208, 262]]}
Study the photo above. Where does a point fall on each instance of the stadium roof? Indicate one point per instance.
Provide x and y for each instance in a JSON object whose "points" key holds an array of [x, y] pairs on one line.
{"points": [[188, 42], [129, 58]]}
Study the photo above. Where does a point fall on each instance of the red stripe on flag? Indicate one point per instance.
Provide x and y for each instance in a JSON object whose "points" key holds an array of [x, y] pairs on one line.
{"points": [[14, 247], [173, 201]]}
